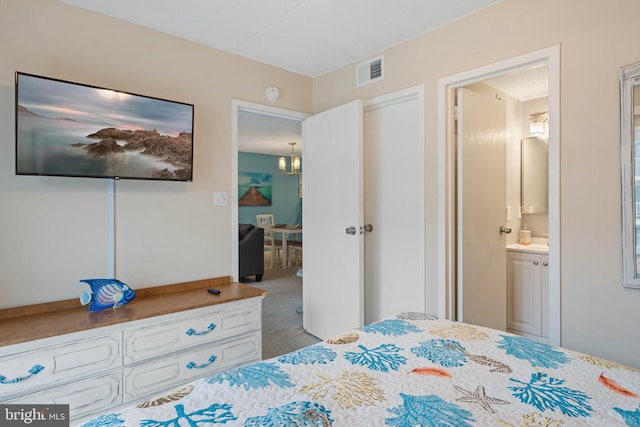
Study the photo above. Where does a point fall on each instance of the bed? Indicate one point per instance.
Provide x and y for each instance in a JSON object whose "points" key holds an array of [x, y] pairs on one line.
{"points": [[407, 370]]}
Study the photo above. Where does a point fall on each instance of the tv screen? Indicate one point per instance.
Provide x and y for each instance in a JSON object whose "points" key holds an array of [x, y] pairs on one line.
{"points": [[71, 129]]}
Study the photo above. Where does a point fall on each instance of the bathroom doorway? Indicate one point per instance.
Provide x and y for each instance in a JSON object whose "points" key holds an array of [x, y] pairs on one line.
{"points": [[458, 266]]}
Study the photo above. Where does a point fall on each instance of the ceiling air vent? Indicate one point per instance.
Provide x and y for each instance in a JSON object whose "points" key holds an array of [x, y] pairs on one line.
{"points": [[370, 71]]}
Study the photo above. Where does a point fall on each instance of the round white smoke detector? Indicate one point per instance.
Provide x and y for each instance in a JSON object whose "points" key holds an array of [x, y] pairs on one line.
{"points": [[273, 93]]}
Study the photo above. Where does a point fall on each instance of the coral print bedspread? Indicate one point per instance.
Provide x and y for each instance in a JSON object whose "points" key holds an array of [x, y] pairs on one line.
{"points": [[409, 370]]}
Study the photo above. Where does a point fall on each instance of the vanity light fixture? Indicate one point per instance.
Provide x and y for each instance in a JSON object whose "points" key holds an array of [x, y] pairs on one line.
{"points": [[538, 123], [295, 163]]}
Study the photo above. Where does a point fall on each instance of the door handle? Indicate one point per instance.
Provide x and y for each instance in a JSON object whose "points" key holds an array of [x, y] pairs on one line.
{"points": [[367, 228], [350, 230], [505, 230]]}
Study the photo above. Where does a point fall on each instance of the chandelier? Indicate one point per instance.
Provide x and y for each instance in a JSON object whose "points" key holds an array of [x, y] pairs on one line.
{"points": [[295, 163]]}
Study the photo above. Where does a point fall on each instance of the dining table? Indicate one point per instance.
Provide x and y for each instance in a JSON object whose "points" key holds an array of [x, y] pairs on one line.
{"points": [[286, 230]]}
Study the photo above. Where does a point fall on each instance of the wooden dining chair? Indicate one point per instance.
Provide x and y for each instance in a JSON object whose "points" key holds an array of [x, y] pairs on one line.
{"points": [[273, 245], [295, 249]]}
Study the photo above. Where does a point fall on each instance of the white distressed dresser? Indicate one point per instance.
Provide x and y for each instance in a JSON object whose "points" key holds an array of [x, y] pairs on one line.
{"points": [[60, 353]]}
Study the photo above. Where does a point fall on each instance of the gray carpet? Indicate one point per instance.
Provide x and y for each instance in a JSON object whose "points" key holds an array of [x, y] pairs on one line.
{"points": [[282, 330]]}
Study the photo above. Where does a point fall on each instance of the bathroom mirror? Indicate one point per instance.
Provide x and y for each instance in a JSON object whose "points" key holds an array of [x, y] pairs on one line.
{"points": [[630, 146], [534, 176]]}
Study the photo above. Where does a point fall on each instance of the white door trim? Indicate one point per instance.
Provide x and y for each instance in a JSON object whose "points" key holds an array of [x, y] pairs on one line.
{"points": [[446, 178], [236, 106], [396, 97]]}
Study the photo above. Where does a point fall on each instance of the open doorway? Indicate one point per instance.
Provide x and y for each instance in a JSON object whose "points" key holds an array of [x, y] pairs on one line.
{"points": [[452, 235], [260, 135]]}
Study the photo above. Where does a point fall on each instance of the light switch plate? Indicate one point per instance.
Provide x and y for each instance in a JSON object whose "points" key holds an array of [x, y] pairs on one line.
{"points": [[220, 198]]}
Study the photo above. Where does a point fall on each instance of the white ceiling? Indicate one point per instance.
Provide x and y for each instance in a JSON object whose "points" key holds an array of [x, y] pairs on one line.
{"points": [[524, 85], [310, 37], [265, 134]]}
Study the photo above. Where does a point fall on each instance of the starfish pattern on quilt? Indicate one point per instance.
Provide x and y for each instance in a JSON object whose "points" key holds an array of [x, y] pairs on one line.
{"points": [[480, 397]]}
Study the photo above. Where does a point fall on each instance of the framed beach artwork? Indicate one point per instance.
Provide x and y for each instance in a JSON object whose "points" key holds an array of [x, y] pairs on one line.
{"points": [[254, 189]]}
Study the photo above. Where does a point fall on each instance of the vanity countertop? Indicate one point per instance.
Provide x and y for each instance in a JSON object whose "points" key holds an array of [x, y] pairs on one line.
{"points": [[536, 248]]}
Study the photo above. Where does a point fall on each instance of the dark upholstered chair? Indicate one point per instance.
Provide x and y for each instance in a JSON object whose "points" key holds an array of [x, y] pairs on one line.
{"points": [[251, 251]]}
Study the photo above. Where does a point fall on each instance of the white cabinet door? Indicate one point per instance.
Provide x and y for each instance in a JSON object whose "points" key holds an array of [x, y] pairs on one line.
{"points": [[525, 292], [544, 294]]}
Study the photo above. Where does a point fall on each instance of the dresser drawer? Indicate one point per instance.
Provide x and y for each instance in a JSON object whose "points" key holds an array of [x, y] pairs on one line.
{"points": [[204, 360], [84, 396], [146, 342], [25, 368]]}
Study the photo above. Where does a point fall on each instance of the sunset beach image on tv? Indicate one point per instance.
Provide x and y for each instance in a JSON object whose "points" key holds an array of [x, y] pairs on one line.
{"points": [[72, 129]]}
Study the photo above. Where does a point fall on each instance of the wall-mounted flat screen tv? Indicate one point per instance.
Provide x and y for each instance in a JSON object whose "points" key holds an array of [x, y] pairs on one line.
{"points": [[77, 130]]}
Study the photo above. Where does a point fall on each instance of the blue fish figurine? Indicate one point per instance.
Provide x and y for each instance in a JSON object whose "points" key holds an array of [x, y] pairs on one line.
{"points": [[106, 293]]}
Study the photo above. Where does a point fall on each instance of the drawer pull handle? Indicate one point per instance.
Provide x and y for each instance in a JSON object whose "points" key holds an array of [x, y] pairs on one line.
{"points": [[192, 331], [33, 371], [192, 365]]}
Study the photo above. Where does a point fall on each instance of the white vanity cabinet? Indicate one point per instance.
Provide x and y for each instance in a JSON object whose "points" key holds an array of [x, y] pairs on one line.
{"points": [[98, 361], [528, 293]]}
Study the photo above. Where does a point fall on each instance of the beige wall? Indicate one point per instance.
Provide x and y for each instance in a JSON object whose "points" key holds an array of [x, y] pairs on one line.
{"points": [[54, 231], [596, 37]]}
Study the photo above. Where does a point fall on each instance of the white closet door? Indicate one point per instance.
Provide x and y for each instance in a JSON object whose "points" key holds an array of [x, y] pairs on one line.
{"points": [[394, 204]]}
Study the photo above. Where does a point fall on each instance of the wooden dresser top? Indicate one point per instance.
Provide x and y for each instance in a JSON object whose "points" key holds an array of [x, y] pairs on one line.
{"points": [[28, 323]]}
